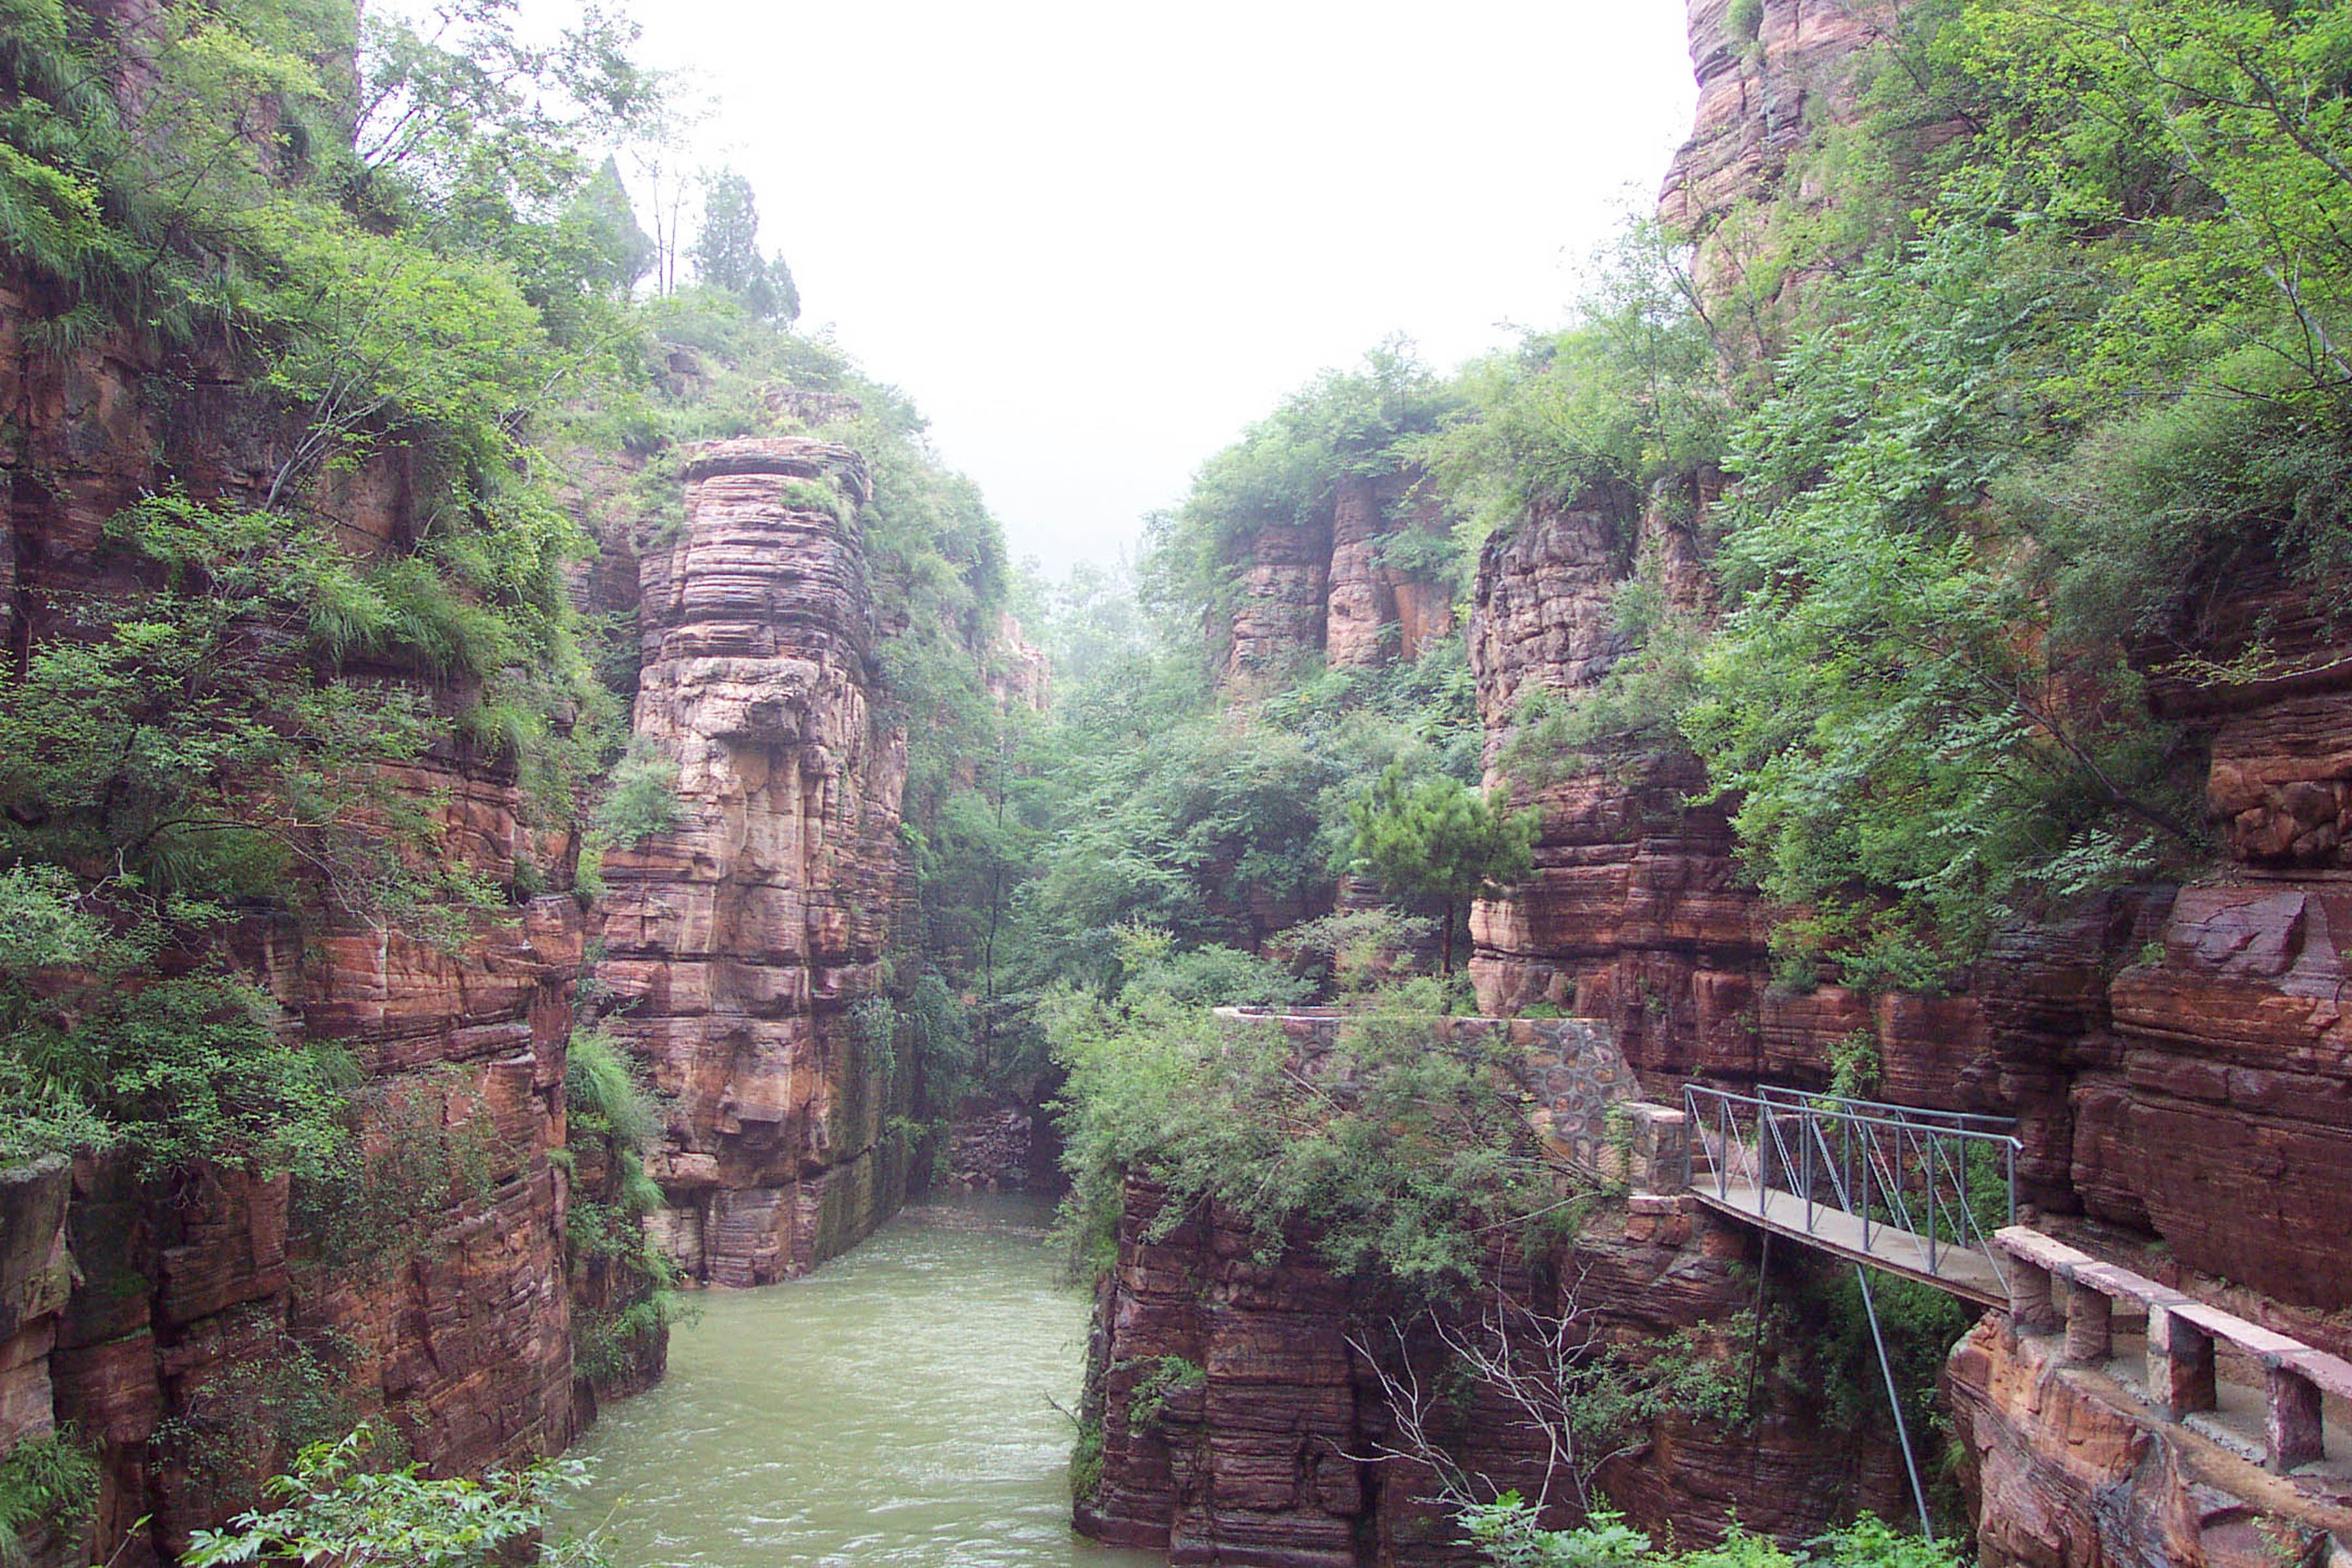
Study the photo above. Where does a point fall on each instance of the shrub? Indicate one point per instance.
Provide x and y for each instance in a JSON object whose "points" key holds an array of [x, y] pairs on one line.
{"points": [[1404, 1156], [334, 1509]]}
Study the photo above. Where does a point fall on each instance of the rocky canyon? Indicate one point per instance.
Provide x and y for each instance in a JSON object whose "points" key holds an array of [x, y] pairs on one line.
{"points": [[529, 790]]}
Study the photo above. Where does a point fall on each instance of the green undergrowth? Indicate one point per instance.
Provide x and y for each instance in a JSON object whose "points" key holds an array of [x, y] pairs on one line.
{"points": [[48, 1484], [626, 1287], [1398, 1163], [1506, 1535]]}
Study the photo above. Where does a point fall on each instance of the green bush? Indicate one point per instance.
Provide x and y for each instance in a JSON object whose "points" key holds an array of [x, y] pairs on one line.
{"points": [[1400, 1157], [1149, 1399], [604, 1092], [1087, 1462], [1506, 1534], [336, 1509]]}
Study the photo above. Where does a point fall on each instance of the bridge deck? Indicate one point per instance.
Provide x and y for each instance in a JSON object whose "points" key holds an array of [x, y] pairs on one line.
{"points": [[1958, 1271]]}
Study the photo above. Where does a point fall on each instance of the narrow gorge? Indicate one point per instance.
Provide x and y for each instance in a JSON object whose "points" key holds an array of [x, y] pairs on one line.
{"points": [[537, 812]]}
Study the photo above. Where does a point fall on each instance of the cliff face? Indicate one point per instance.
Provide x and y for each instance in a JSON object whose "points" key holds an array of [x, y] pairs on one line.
{"points": [[209, 1326], [1268, 1446], [1322, 584], [1763, 98], [738, 944], [2072, 1471], [2178, 1059], [1243, 1414]]}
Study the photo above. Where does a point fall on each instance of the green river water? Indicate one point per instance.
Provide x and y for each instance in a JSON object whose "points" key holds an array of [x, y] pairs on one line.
{"points": [[895, 1407]]}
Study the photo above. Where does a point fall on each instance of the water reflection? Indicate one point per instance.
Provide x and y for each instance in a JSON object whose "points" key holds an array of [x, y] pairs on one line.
{"points": [[895, 1407]]}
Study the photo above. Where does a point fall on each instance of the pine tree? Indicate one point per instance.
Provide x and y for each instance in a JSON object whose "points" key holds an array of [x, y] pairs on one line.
{"points": [[1441, 839]]}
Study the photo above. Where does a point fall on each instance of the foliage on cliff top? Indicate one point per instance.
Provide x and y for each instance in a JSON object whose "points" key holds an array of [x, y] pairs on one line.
{"points": [[2003, 466], [1286, 470], [1398, 1161], [367, 248], [2058, 355]]}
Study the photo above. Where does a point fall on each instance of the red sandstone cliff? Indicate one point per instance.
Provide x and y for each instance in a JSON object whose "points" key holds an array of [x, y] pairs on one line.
{"points": [[738, 944], [1268, 1451], [1321, 585], [201, 1314], [2178, 1059]]}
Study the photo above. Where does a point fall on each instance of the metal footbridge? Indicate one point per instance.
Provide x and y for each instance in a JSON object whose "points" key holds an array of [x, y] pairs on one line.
{"points": [[1916, 1192]]}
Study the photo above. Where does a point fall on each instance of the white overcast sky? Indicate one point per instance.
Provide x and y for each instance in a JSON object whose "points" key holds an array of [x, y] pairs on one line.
{"points": [[1093, 240]]}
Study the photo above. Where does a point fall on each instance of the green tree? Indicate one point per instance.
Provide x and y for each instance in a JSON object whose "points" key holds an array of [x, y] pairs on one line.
{"points": [[1441, 839], [601, 211], [726, 250]]}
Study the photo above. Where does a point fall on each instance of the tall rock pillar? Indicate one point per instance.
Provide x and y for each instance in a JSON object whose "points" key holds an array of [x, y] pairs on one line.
{"points": [[739, 943]]}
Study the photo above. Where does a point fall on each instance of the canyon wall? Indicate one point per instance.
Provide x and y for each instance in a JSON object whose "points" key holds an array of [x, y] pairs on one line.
{"points": [[1321, 585], [1240, 1419], [1236, 1410], [737, 945], [218, 1320], [210, 1325], [2176, 1057]]}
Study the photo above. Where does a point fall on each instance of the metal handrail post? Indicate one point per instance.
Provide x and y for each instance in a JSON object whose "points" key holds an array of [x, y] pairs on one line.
{"points": [[1723, 1146], [1805, 1145], [2011, 1152], [1869, 1140], [1690, 1120], [1963, 1167], [1931, 1203]]}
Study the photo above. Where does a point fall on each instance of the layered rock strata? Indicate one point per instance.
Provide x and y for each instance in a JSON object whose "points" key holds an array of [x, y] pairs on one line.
{"points": [[196, 1305], [2176, 1057], [737, 944], [1771, 79], [1326, 583], [1243, 1415], [1242, 1420], [35, 1283], [2072, 1469]]}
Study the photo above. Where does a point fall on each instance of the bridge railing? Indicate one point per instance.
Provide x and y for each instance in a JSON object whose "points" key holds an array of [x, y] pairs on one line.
{"points": [[1943, 1179]]}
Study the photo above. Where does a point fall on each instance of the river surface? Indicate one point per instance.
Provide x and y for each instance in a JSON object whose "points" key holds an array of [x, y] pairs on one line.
{"points": [[897, 1407]]}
